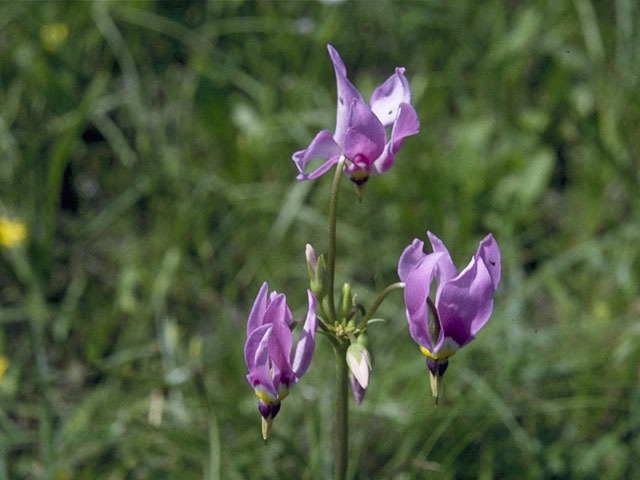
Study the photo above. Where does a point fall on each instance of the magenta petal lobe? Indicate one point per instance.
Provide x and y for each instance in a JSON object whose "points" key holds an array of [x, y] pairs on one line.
{"points": [[416, 292], [259, 373], [258, 309], [252, 343], [346, 94], [446, 269], [466, 302], [386, 99], [307, 341], [280, 348], [405, 125], [489, 252], [322, 146], [410, 258], [365, 137]]}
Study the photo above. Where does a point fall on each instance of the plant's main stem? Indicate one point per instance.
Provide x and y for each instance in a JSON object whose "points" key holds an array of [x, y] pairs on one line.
{"points": [[341, 427], [333, 214]]}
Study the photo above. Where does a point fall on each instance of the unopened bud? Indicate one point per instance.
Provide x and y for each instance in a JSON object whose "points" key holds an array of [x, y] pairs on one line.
{"points": [[358, 391], [346, 301], [317, 273], [359, 362]]}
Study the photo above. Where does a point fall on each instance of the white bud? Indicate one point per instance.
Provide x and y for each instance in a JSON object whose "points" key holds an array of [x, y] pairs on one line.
{"points": [[359, 362]]}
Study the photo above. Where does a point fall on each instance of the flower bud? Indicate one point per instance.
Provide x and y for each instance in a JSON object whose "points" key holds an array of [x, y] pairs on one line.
{"points": [[346, 301], [359, 362], [358, 391], [317, 273]]}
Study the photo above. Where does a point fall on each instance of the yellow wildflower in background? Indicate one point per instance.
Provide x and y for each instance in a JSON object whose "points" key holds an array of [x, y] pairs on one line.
{"points": [[53, 36], [4, 364], [12, 232]]}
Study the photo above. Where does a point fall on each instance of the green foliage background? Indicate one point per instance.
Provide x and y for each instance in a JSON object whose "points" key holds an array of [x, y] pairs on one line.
{"points": [[148, 151]]}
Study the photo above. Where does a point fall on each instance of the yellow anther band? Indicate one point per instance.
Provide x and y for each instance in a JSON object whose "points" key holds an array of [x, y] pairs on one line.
{"points": [[441, 355]]}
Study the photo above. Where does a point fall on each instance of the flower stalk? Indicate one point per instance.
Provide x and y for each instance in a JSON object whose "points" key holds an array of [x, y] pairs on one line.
{"points": [[333, 219], [378, 302]]}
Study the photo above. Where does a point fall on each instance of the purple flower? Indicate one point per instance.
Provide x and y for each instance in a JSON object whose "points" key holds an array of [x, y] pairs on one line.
{"points": [[360, 133], [273, 369], [463, 300]]}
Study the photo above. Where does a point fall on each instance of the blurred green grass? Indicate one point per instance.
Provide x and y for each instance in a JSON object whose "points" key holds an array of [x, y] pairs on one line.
{"points": [[147, 146]]}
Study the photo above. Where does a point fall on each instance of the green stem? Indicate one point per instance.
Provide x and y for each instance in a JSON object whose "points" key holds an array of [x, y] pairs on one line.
{"points": [[341, 427], [333, 216], [4, 475], [213, 467], [38, 314], [37, 320], [378, 302]]}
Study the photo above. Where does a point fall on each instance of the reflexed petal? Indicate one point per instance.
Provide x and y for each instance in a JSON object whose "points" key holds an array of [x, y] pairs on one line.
{"points": [[446, 269], [272, 297], [365, 138], [346, 94], [258, 309], [489, 252], [279, 352], [466, 302], [405, 125], [259, 371], [418, 282], [385, 161], [322, 146], [386, 99], [307, 340], [287, 316], [416, 291], [410, 258], [321, 170], [251, 345], [280, 344]]}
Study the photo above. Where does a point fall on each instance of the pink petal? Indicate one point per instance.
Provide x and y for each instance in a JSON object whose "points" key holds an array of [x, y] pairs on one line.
{"points": [[489, 252], [465, 303], [386, 99], [346, 94], [416, 291], [307, 341], [446, 269], [365, 137], [322, 146], [280, 344], [258, 363], [406, 124], [410, 258], [258, 309]]}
